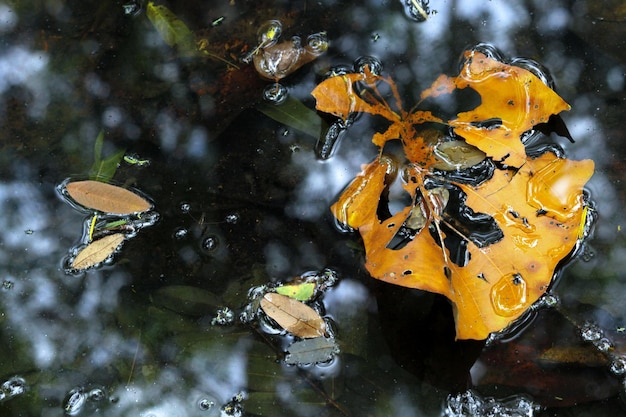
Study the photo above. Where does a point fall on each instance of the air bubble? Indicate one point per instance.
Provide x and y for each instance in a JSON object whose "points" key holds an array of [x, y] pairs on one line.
{"points": [[210, 243], [416, 10], [180, 233], [269, 32], [232, 218], [185, 207], [75, 401], [225, 316], [317, 43], [590, 332], [275, 93], [206, 404], [603, 344], [618, 365], [14, 386], [338, 70], [374, 64]]}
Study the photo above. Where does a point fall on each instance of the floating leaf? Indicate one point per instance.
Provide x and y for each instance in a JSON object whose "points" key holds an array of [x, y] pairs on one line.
{"points": [[106, 197], [97, 251], [294, 114], [301, 292], [104, 169], [293, 316], [319, 349], [174, 31], [186, 299], [487, 236]]}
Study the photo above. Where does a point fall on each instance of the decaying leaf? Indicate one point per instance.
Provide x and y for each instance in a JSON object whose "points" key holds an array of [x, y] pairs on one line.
{"points": [[490, 245], [97, 251], [106, 197], [173, 30], [316, 350], [300, 292], [293, 315]]}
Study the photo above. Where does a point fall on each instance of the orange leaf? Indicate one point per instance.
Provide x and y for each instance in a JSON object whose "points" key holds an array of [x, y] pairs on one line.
{"points": [[511, 95], [293, 315], [500, 280], [494, 251], [106, 197], [336, 95]]}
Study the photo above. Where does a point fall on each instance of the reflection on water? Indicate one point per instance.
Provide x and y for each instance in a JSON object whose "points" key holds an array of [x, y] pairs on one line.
{"points": [[252, 200]]}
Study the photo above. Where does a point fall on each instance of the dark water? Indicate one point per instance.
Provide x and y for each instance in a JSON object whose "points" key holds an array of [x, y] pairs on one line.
{"points": [[243, 201]]}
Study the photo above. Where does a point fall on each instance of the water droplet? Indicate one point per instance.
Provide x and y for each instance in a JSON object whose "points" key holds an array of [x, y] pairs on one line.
{"points": [[210, 243], [275, 93], [618, 365], [206, 404], [185, 207], [338, 70], [376, 67], [180, 233], [75, 401], [603, 344], [269, 32], [590, 332], [232, 218], [416, 10], [225, 316], [132, 8], [14, 386], [509, 295], [317, 43], [96, 394]]}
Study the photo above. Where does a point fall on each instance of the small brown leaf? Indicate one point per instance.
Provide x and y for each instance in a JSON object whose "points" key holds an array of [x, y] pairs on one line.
{"points": [[97, 251], [293, 316], [106, 197]]}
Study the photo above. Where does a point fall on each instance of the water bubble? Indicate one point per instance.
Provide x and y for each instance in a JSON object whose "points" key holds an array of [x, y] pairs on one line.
{"points": [[590, 332], [180, 233], [509, 295], [210, 243], [75, 401], [206, 404], [374, 64], [325, 145], [269, 32], [416, 10], [232, 218], [338, 70], [96, 394], [275, 93], [618, 365], [14, 386], [317, 43], [185, 207], [132, 8], [225, 316], [603, 344]]}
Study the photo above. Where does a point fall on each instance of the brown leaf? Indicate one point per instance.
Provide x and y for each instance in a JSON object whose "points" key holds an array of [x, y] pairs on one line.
{"points": [[293, 316], [97, 251], [106, 197]]}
